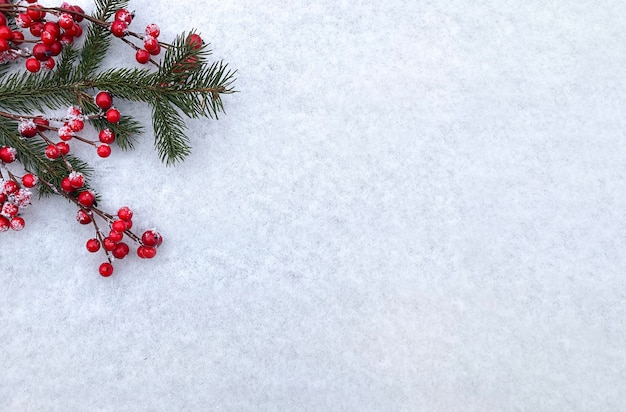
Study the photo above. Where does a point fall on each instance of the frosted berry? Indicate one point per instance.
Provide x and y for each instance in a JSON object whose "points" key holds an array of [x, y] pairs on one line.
{"points": [[153, 30], [105, 269], [86, 198], [8, 154], [23, 20], [103, 100], [113, 115], [118, 28], [142, 56], [74, 112], [106, 136], [32, 65], [93, 245], [151, 238], [65, 132], [104, 150], [83, 217], [125, 213], [17, 223], [27, 128], [9, 187], [4, 224], [64, 148], [29, 180], [52, 152], [77, 180], [76, 125], [150, 43], [42, 124], [124, 15], [9, 210], [65, 21]]}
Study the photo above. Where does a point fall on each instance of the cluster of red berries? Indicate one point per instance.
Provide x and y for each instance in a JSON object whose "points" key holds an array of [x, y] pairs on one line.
{"points": [[72, 123], [13, 196], [151, 45], [50, 36]]}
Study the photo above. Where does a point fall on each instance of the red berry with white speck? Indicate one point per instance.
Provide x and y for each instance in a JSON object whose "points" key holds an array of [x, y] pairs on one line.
{"points": [[17, 223], [5, 224], [106, 136], [152, 30], [118, 226], [9, 210], [64, 148], [142, 56], [151, 238], [83, 217], [119, 28], [29, 180], [108, 243], [32, 65], [77, 180], [27, 128], [9, 187], [65, 20], [121, 250], [8, 154], [124, 15], [52, 152]]}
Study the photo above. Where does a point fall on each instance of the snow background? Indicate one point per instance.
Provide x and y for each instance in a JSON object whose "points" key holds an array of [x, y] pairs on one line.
{"points": [[411, 205]]}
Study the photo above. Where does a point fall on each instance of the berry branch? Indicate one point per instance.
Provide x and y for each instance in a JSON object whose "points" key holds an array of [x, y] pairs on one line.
{"points": [[59, 75]]}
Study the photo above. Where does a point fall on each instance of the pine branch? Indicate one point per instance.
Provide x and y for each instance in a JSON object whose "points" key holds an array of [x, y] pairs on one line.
{"points": [[170, 139]]}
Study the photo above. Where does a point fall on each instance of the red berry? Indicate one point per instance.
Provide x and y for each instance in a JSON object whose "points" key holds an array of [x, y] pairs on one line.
{"points": [[103, 100], [49, 64], [42, 124], [116, 236], [125, 213], [150, 43], [108, 243], [56, 48], [65, 132], [129, 224], [32, 65], [75, 31], [118, 226], [4, 224], [63, 147], [93, 245], [77, 9], [142, 56], [9, 210], [48, 38], [4, 45], [18, 37], [156, 50], [83, 217], [35, 12], [146, 252], [52, 152], [65, 21], [27, 128], [10, 187], [118, 28], [29, 180], [8, 154], [86, 198], [124, 15], [153, 30], [66, 185], [195, 41], [151, 238], [3, 18], [52, 27], [41, 51], [36, 28], [104, 150], [6, 33], [106, 136], [121, 250], [17, 223], [106, 269], [113, 115], [76, 125], [23, 20], [77, 180]]}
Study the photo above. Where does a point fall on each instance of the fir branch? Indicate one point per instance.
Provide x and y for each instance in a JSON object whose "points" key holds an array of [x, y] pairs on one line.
{"points": [[171, 142], [97, 41]]}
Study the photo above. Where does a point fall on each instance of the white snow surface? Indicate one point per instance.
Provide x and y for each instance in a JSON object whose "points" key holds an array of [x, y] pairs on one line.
{"points": [[409, 206]]}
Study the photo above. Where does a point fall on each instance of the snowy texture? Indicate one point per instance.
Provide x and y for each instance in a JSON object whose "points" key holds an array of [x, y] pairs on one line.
{"points": [[411, 205]]}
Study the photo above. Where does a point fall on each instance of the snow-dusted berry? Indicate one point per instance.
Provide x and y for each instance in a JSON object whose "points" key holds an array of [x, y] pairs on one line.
{"points": [[27, 128], [152, 30], [77, 180], [8, 154], [17, 223]]}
